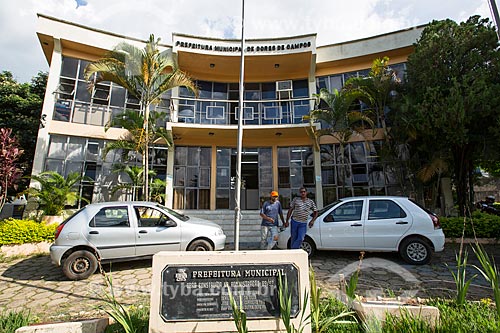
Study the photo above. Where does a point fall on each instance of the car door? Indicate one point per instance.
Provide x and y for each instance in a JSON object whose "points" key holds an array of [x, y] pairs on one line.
{"points": [[386, 223], [111, 232], [156, 231], [342, 227]]}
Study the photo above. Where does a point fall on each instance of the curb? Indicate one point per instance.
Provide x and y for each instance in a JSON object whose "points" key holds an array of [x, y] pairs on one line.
{"points": [[85, 326], [472, 240]]}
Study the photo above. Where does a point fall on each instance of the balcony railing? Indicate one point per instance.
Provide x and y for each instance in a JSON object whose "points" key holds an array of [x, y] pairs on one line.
{"points": [[223, 112], [194, 111]]}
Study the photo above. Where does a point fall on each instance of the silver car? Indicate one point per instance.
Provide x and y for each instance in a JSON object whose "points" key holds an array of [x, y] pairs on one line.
{"points": [[374, 223], [117, 231]]}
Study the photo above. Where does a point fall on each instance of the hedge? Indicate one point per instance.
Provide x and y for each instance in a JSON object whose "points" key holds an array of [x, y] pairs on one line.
{"points": [[14, 231], [485, 225]]}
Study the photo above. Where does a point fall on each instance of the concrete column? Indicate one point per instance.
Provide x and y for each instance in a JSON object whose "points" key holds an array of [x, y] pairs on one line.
{"points": [[169, 187], [42, 142], [317, 180]]}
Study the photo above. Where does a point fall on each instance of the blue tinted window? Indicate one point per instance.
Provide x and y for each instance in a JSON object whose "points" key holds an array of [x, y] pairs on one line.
{"points": [[300, 89]]}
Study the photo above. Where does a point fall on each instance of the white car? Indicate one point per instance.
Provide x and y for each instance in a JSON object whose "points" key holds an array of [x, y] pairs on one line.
{"points": [[118, 231], [374, 223]]}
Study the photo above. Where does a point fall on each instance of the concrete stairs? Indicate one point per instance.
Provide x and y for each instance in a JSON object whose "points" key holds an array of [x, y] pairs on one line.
{"points": [[249, 225]]}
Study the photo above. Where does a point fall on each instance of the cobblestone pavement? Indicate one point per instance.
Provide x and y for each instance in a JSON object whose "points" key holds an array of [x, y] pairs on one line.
{"points": [[34, 283]]}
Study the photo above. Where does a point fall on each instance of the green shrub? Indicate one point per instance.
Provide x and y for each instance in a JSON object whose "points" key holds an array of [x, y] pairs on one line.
{"points": [[486, 226], [10, 320], [14, 231]]}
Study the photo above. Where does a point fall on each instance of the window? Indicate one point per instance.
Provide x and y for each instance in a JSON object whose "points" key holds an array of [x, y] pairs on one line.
{"points": [[247, 113], [148, 217], [192, 168], [215, 112], [349, 211], [272, 112], [111, 217], [384, 209]]}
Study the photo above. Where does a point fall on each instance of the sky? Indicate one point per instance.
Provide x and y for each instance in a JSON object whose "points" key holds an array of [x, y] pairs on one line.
{"points": [[334, 21]]}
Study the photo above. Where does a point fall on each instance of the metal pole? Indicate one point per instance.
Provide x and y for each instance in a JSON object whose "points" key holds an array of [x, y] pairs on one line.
{"points": [[496, 16], [237, 194]]}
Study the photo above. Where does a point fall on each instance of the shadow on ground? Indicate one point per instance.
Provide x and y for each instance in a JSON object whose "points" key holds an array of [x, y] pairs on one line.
{"points": [[37, 268]]}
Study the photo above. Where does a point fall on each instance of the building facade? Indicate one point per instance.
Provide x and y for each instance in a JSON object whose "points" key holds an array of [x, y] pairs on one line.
{"points": [[280, 80]]}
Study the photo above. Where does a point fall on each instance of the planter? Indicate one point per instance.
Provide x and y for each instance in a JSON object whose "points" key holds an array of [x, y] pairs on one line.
{"points": [[52, 219], [24, 249], [369, 310]]}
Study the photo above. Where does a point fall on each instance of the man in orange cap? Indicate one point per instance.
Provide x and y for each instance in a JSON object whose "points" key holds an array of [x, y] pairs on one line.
{"points": [[269, 212]]}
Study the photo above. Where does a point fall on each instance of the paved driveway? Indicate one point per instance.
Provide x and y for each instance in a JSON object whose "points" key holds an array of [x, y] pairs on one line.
{"points": [[34, 283]]}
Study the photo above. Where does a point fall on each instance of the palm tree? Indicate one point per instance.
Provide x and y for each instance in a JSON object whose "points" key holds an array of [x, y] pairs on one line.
{"points": [[338, 119], [146, 74], [56, 191], [377, 89], [133, 141], [135, 173]]}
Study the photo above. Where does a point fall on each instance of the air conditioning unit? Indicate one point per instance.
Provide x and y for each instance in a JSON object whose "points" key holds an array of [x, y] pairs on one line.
{"points": [[284, 89]]}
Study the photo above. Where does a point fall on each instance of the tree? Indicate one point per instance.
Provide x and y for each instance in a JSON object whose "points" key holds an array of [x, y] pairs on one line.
{"points": [[133, 141], [338, 119], [20, 109], [453, 80], [146, 74], [55, 192], [377, 89], [9, 156], [135, 174]]}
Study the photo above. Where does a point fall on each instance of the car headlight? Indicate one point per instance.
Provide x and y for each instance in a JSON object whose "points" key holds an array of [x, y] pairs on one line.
{"points": [[219, 232]]}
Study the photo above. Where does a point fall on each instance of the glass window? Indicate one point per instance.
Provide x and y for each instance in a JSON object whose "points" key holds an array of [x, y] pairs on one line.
{"points": [[300, 89], [117, 96], [180, 155], [220, 91], [206, 156], [69, 67], [269, 90], [272, 112], [81, 72], [57, 147], [349, 211], [148, 217], [75, 148], [336, 82], [384, 209], [205, 89], [215, 112], [111, 217]]}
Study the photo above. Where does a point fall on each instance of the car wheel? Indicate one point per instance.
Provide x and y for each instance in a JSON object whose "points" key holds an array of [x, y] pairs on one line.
{"points": [[308, 246], [415, 251], [200, 245], [80, 265]]}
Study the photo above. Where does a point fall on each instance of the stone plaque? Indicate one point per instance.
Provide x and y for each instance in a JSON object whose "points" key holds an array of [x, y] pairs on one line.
{"points": [[197, 292]]}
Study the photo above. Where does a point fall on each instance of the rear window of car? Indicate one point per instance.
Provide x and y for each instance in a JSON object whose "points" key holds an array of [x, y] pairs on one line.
{"points": [[421, 207], [384, 209]]}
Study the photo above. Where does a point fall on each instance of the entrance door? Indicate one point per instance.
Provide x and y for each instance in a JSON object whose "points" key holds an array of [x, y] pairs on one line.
{"points": [[250, 177]]}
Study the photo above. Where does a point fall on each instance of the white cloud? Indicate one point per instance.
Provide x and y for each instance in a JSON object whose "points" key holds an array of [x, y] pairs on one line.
{"points": [[333, 21]]}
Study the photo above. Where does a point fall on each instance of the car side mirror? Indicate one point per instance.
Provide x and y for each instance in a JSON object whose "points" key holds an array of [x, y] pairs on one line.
{"points": [[167, 223]]}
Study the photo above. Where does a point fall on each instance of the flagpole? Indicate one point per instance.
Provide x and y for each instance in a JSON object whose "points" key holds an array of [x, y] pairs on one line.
{"points": [[496, 16], [237, 196]]}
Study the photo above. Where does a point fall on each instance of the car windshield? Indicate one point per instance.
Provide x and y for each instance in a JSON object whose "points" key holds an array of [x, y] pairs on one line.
{"points": [[174, 213], [327, 207]]}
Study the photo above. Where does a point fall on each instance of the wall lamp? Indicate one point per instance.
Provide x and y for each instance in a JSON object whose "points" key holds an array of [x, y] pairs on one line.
{"points": [[276, 65], [212, 65]]}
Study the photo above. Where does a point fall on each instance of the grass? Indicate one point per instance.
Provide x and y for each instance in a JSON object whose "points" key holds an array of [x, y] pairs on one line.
{"points": [[11, 320]]}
